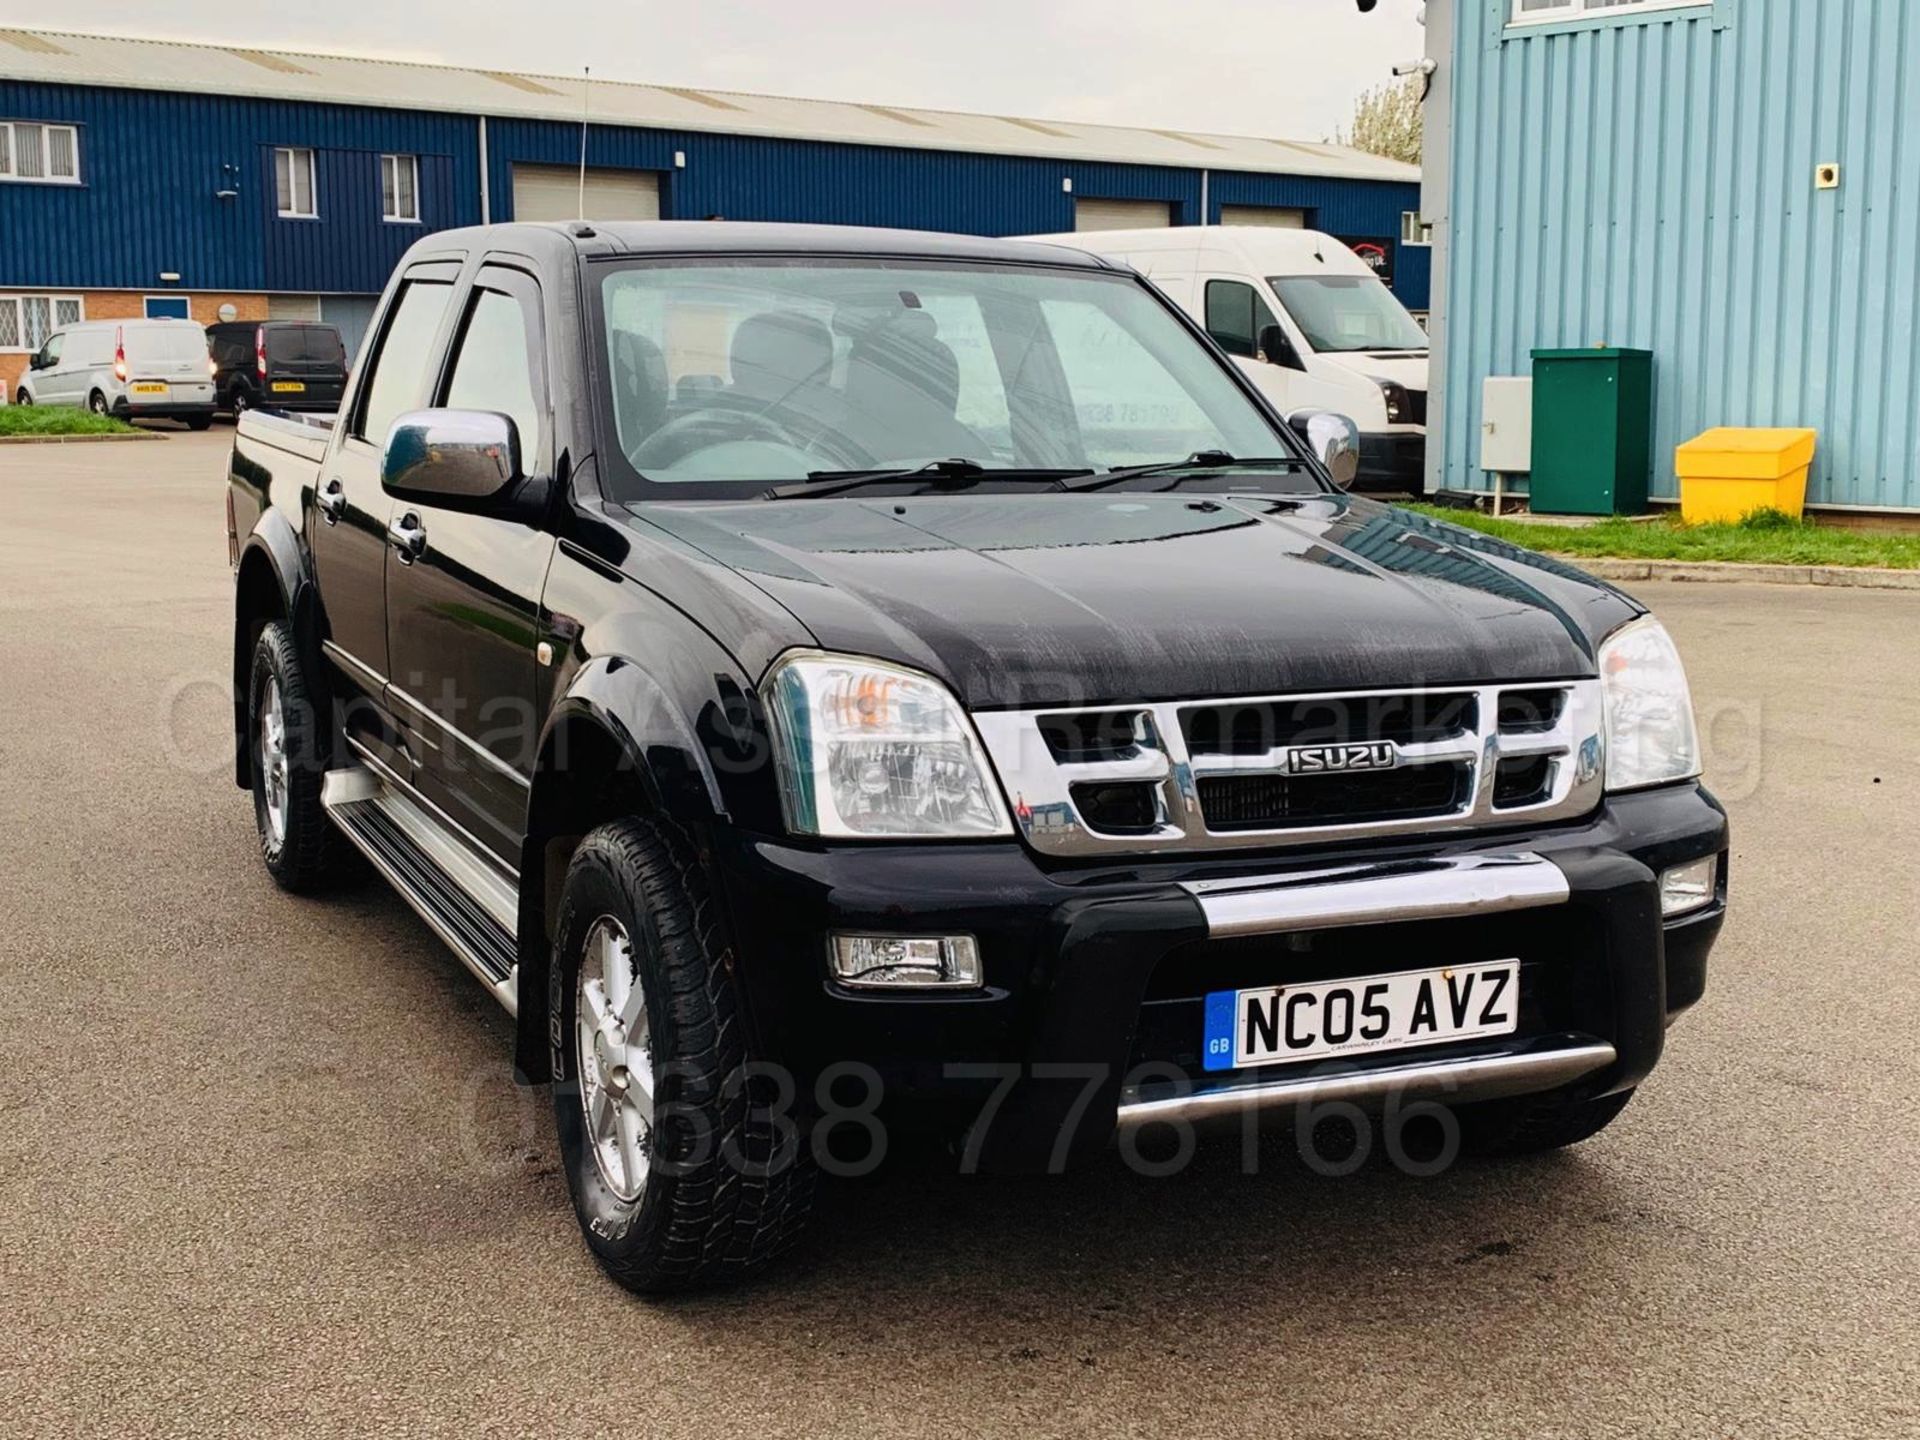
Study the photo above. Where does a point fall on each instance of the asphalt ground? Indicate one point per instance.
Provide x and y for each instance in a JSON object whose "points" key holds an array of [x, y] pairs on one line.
{"points": [[263, 1169]]}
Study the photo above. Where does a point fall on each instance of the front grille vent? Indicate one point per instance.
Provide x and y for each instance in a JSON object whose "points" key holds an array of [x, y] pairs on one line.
{"points": [[1088, 737], [1255, 727], [1297, 769], [1272, 802]]}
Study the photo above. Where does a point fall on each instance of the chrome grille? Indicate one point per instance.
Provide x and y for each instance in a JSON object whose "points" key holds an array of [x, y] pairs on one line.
{"points": [[1297, 769]]}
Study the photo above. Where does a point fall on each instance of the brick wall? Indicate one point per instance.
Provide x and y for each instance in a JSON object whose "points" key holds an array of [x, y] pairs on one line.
{"points": [[204, 306]]}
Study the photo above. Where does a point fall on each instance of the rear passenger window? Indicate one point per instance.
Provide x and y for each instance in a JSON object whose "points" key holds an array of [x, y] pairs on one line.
{"points": [[493, 367], [400, 368]]}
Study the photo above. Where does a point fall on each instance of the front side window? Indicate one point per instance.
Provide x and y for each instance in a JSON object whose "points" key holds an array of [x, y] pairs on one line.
{"points": [[743, 372], [1348, 313], [293, 183], [45, 154], [399, 374], [400, 188], [1235, 317], [493, 367]]}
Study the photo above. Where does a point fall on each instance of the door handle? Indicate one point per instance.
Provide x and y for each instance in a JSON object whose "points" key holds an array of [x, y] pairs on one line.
{"points": [[333, 502], [408, 536]]}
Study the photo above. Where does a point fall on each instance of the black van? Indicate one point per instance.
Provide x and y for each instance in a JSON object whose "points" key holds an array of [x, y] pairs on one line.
{"points": [[278, 365]]}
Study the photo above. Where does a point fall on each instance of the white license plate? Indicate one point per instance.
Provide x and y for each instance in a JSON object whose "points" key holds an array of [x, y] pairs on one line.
{"points": [[149, 388], [1250, 1028]]}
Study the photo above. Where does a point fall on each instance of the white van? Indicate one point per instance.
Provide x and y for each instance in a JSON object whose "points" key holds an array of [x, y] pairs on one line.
{"points": [[1307, 319], [130, 368]]}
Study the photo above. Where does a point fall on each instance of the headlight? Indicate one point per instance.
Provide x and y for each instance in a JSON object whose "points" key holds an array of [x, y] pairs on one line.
{"points": [[868, 750], [1399, 408], [1651, 739]]}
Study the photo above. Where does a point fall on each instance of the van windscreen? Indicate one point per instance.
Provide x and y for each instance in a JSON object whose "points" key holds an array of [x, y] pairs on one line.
{"points": [[1348, 313], [305, 345]]}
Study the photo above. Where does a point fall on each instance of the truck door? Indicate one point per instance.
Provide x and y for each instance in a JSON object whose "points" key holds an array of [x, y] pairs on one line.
{"points": [[463, 606], [348, 523]]}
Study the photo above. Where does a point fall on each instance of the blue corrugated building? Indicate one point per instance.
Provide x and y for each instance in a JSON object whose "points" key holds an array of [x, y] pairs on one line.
{"points": [[158, 177], [1733, 185]]}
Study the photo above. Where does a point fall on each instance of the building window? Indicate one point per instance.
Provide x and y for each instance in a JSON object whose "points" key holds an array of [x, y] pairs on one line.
{"points": [[293, 184], [169, 307], [1535, 12], [27, 320], [400, 188], [41, 154], [1414, 230]]}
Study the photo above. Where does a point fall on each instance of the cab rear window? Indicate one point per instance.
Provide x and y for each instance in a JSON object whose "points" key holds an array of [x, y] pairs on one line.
{"points": [[305, 345], [168, 342]]}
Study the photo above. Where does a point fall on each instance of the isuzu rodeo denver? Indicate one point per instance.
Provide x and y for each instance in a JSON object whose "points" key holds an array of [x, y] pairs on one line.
{"points": [[822, 677]]}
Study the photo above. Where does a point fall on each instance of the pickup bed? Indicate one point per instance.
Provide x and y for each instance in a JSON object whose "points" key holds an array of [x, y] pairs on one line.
{"points": [[832, 685]]}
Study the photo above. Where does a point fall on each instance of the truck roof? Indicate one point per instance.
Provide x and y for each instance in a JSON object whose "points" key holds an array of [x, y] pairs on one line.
{"points": [[723, 237]]}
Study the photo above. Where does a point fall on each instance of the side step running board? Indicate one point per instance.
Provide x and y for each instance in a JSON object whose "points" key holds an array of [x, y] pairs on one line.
{"points": [[465, 897]]}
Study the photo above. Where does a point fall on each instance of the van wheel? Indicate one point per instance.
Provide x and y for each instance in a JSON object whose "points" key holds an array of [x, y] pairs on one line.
{"points": [[23, 398], [200, 422], [240, 401], [684, 1167], [97, 403]]}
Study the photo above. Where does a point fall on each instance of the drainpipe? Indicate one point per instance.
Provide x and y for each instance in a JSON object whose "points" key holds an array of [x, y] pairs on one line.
{"points": [[486, 193], [1206, 197]]}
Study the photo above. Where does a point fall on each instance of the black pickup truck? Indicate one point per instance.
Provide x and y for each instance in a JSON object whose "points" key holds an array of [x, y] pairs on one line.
{"points": [[834, 684]]}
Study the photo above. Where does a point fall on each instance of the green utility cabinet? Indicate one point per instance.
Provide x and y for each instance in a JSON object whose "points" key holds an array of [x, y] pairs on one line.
{"points": [[1592, 432]]}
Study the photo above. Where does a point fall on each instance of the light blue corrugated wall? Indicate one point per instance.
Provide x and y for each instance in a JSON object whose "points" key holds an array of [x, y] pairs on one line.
{"points": [[1650, 182]]}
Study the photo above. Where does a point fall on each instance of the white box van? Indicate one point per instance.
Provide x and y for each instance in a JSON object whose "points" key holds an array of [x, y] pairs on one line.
{"points": [[130, 368], [1307, 319]]}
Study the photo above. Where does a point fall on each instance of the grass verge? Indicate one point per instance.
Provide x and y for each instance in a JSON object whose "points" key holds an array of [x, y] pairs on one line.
{"points": [[1763, 538], [56, 420]]}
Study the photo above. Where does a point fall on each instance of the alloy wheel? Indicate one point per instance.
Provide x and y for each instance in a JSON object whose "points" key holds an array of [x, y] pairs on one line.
{"points": [[614, 1045], [274, 771]]}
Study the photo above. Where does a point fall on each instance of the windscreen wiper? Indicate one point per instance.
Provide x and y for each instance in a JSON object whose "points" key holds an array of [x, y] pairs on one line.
{"points": [[1200, 463], [940, 474]]}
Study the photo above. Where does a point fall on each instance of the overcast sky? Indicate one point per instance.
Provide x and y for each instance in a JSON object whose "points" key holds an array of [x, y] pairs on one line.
{"points": [[1288, 68]]}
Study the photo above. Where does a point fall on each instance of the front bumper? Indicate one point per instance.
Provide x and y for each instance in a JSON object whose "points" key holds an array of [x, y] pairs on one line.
{"points": [[1090, 1020]]}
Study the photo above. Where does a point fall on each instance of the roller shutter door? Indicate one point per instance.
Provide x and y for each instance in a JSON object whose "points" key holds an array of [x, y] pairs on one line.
{"points": [[350, 315], [552, 192], [293, 307], [1121, 214], [1273, 216]]}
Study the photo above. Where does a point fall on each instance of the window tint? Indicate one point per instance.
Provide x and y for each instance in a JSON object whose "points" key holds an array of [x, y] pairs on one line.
{"points": [[305, 344], [400, 369], [494, 367], [1236, 315]]}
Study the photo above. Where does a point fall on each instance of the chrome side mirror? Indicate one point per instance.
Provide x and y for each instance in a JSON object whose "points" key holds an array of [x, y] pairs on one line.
{"points": [[451, 457], [1334, 440]]}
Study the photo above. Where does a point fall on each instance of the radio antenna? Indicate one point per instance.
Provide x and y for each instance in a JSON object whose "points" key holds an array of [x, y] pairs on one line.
{"points": [[586, 114]]}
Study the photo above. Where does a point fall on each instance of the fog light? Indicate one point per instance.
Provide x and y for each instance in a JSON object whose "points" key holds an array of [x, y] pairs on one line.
{"points": [[886, 962], [1687, 888]]}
